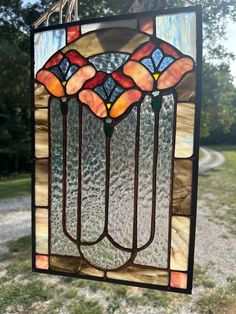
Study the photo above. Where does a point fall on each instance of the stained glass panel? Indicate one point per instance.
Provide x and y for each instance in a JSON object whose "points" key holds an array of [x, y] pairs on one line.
{"points": [[111, 24], [185, 130], [41, 230], [116, 106], [41, 133]]}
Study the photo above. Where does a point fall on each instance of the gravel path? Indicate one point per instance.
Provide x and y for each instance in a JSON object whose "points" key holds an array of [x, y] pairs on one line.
{"points": [[215, 246], [14, 219], [211, 159]]}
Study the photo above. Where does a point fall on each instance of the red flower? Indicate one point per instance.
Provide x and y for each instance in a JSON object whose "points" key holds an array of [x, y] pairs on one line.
{"points": [[65, 74], [109, 95], [157, 66]]}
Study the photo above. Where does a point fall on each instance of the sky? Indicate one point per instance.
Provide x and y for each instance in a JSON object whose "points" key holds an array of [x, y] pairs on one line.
{"points": [[230, 42]]}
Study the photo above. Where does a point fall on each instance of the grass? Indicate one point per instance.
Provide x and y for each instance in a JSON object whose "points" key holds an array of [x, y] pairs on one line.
{"points": [[152, 297], [221, 183], [201, 279], [221, 300], [85, 307], [18, 294], [19, 288], [26, 292], [15, 185]]}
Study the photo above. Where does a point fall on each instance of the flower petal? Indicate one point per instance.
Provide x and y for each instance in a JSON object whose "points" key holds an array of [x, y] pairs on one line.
{"points": [[54, 60], [94, 102], [51, 82], [64, 65], [174, 73], [116, 93], [79, 78], [147, 62], [165, 63], [76, 58], [140, 75], [122, 80], [124, 101], [74, 68], [145, 51], [157, 56], [169, 50], [97, 80]]}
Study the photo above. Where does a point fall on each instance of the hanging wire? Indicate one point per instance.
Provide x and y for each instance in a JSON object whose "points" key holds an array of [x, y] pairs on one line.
{"points": [[72, 9], [67, 10]]}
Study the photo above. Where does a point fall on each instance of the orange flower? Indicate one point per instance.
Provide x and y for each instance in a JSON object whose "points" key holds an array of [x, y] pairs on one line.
{"points": [[157, 66], [109, 95], [65, 74]]}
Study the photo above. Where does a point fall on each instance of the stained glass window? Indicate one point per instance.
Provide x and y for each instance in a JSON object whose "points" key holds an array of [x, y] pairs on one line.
{"points": [[116, 121]]}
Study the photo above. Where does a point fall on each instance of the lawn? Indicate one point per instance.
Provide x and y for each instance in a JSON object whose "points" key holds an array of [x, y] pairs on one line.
{"points": [[15, 185]]}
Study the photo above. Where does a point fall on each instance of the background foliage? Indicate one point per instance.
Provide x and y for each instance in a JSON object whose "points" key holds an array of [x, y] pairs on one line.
{"points": [[219, 93]]}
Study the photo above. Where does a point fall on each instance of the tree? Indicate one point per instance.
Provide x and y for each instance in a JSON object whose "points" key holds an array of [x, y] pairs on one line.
{"points": [[15, 93], [219, 101]]}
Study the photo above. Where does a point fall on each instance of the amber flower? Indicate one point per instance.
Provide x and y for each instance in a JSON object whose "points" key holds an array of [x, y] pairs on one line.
{"points": [[65, 74], [157, 66], [109, 95]]}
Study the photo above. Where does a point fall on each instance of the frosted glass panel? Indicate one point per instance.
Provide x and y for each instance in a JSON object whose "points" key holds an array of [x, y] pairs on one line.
{"points": [[46, 44], [178, 30]]}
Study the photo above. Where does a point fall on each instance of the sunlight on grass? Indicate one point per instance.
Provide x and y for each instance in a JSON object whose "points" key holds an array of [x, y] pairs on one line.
{"points": [[15, 185]]}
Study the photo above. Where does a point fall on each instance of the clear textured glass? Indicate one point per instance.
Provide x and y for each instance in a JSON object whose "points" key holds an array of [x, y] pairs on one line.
{"points": [[121, 199], [105, 255], [72, 167], [109, 62], [145, 171], [60, 244], [93, 165], [157, 253]]}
